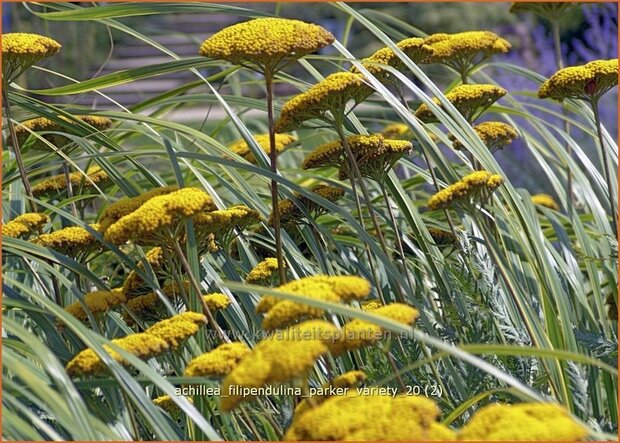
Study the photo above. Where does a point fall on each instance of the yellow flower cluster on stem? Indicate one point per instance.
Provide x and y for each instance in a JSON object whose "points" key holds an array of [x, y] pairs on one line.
{"points": [[495, 135], [266, 44], [219, 362], [97, 302], [280, 313], [263, 272], [242, 149], [469, 100], [399, 131], [347, 380], [374, 155], [585, 82], [545, 200], [73, 241], [94, 177], [21, 50], [222, 223], [473, 188], [290, 213], [25, 225]]}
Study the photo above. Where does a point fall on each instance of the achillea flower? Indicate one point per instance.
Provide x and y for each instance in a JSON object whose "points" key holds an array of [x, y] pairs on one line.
{"points": [[467, 191], [263, 272], [347, 380], [266, 44], [52, 130], [464, 50], [20, 51], [73, 241], [216, 301], [414, 48], [222, 223], [24, 225], [148, 224], [545, 200], [177, 329], [370, 305], [398, 131], [127, 205], [275, 360], [166, 403], [354, 417], [97, 302], [219, 362], [585, 82], [495, 135], [524, 421], [331, 95], [242, 149], [290, 213], [469, 100], [94, 177], [374, 155], [142, 345], [134, 285]]}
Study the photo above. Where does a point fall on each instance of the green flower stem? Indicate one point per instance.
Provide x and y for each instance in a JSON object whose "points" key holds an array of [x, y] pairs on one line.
{"points": [[65, 168], [16, 149], [610, 188], [273, 159]]}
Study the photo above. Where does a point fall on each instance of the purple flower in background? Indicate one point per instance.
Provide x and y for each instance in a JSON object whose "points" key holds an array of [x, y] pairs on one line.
{"points": [[599, 40]]}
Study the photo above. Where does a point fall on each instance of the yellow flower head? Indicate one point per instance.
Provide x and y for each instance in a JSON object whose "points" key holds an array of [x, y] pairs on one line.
{"points": [[472, 187], [242, 149], [73, 241], [263, 271], [20, 51], [175, 330], [464, 50], [134, 285], [24, 225], [349, 379], [585, 82], [42, 124], [354, 417], [332, 94], [414, 48], [266, 44], [290, 213], [149, 221], [216, 301], [222, 223], [398, 131], [166, 403], [524, 421], [469, 100], [545, 200], [370, 305], [495, 135], [94, 177], [127, 205], [219, 362], [97, 302]]}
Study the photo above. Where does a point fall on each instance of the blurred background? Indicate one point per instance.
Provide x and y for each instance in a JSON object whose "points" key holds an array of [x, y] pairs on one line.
{"points": [[89, 50]]}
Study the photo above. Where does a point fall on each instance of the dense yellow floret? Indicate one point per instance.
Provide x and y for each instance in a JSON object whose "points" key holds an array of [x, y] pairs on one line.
{"points": [[219, 362], [21, 50], [97, 302], [175, 330], [476, 185], [290, 213], [523, 422], [166, 403], [332, 94], [242, 149], [263, 271], [585, 82], [495, 135], [398, 131], [73, 241], [266, 43], [24, 225], [94, 177], [354, 417], [414, 48], [545, 200], [42, 124], [222, 223], [150, 220], [469, 100]]}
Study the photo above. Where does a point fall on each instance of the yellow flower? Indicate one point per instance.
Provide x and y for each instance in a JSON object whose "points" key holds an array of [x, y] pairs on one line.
{"points": [[464, 50], [263, 271], [414, 48], [97, 302], [545, 200], [242, 149], [399, 131], [127, 205], [374, 155], [42, 124], [219, 362], [134, 285], [354, 417], [20, 51], [347, 380], [149, 221], [142, 345], [331, 95], [177, 329], [370, 305], [73, 241], [585, 82], [469, 100], [222, 223], [476, 185], [524, 421], [216, 301], [95, 176], [266, 43], [495, 135], [166, 403], [24, 225], [292, 214]]}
